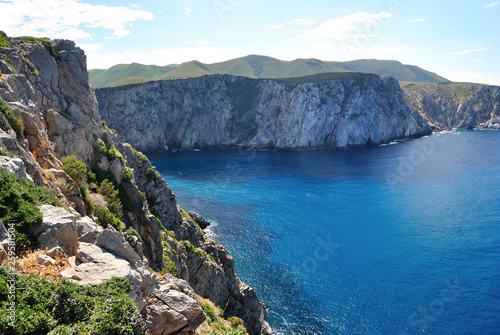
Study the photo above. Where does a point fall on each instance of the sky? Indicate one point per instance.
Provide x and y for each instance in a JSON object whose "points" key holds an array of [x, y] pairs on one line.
{"points": [[457, 39]]}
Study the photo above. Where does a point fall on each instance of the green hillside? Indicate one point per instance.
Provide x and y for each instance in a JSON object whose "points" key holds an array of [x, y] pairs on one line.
{"points": [[255, 66], [391, 68]]}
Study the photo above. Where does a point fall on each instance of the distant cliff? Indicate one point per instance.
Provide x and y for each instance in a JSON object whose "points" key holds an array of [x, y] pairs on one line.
{"points": [[456, 105], [228, 111]]}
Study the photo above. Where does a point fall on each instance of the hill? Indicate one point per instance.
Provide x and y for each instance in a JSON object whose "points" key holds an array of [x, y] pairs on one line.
{"points": [[255, 66]]}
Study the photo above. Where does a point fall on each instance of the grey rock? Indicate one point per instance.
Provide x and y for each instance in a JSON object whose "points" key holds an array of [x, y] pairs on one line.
{"points": [[15, 166], [113, 241], [58, 229], [55, 251], [200, 220], [46, 260]]}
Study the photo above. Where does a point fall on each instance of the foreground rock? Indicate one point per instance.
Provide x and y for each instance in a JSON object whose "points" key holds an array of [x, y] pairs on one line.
{"points": [[58, 229]]}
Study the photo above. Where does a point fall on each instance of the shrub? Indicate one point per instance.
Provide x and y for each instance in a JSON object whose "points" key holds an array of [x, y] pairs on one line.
{"points": [[105, 217], [209, 311], [19, 200], [235, 321], [47, 45], [219, 331], [187, 245], [8, 154], [78, 171], [170, 267], [9, 120], [101, 175], [109, 151], [128, 175], [133, 232], [4, 43], [143, 159], [151, 174], [110, 193], [43, 306]]}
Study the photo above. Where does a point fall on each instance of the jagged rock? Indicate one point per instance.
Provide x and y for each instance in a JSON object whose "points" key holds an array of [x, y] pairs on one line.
{"points": [[58, 229], [87, 230], [55, 251], [15, 166], [3, 254], [200, 220], [45, 260], [113, 241], [4, 234], [170, 311]]}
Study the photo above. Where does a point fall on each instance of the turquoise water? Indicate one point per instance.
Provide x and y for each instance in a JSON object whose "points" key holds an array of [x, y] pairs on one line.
{"points": [[399, 239]]}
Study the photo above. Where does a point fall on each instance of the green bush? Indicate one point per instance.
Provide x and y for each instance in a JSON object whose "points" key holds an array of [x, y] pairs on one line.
{"points": [[109, 151], [170, 267], [4, 43], [235, 321], [8, 154], [105, 217], [110, 193], [34, 39], [50, 48], [78, 171], [188, 245], [209, 311], [128, 175], [101, 175], [220, 331], [19, 200], [9, 120], [133, 232], [43, 307], [151, 174]]}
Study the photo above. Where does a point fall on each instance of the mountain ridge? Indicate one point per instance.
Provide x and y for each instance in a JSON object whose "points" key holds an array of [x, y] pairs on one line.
{"points": [[256, 66]]}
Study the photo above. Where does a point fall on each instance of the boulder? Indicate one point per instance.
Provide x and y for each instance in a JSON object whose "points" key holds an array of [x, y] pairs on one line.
{"points": [[15, 166], [58, 229], [113, 241], [171, 311], [200, 220], [46, 260], [87, 230]]}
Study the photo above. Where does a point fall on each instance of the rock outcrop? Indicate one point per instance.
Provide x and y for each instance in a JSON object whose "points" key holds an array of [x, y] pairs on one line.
{"points": [[47, 87], [456, 105], [228, 111]]}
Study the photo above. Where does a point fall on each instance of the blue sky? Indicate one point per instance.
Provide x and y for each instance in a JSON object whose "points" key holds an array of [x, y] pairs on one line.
{"points": [[457, 39]]}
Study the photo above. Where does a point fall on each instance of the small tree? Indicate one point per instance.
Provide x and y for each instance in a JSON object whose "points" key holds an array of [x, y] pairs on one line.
{"points": [[107, 189]]}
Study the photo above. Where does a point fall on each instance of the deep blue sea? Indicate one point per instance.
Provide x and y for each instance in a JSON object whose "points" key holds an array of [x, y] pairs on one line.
{"points": [[398, 239]]}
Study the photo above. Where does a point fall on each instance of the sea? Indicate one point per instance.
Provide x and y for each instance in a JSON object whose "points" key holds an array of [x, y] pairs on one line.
{"points": [[400, 239]]}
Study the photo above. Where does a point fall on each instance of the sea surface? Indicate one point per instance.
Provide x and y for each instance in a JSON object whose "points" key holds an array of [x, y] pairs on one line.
{"points": [[397, 239]]}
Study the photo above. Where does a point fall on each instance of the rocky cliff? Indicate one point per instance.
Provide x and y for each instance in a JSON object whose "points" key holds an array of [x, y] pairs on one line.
{"points": [[456, 105], [45, 83], [227, 111]]}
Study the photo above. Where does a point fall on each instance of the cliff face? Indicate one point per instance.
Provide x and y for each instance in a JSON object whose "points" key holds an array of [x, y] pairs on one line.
{"points": [[457, 105], [224, 111], [48, 86]]}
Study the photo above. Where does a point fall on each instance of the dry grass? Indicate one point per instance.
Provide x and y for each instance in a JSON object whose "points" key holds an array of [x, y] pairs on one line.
{"points": [[28, 264]]}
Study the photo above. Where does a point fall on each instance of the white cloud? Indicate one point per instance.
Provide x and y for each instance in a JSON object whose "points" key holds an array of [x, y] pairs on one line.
{"points": [[100, 60], [347, 27], [468, 51], [418, 20], [478, 61], [301, 22], [134, 5], [66, 18], [493, 4], [187, 11]]}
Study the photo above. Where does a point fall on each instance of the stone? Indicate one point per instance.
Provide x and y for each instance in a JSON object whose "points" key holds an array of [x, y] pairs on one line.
{"points": [[58, 229], [14, 165], [113, 241], [170, 310], [200, 220], [46, 260], [4, 234], [87, 230], [56, 251]]}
